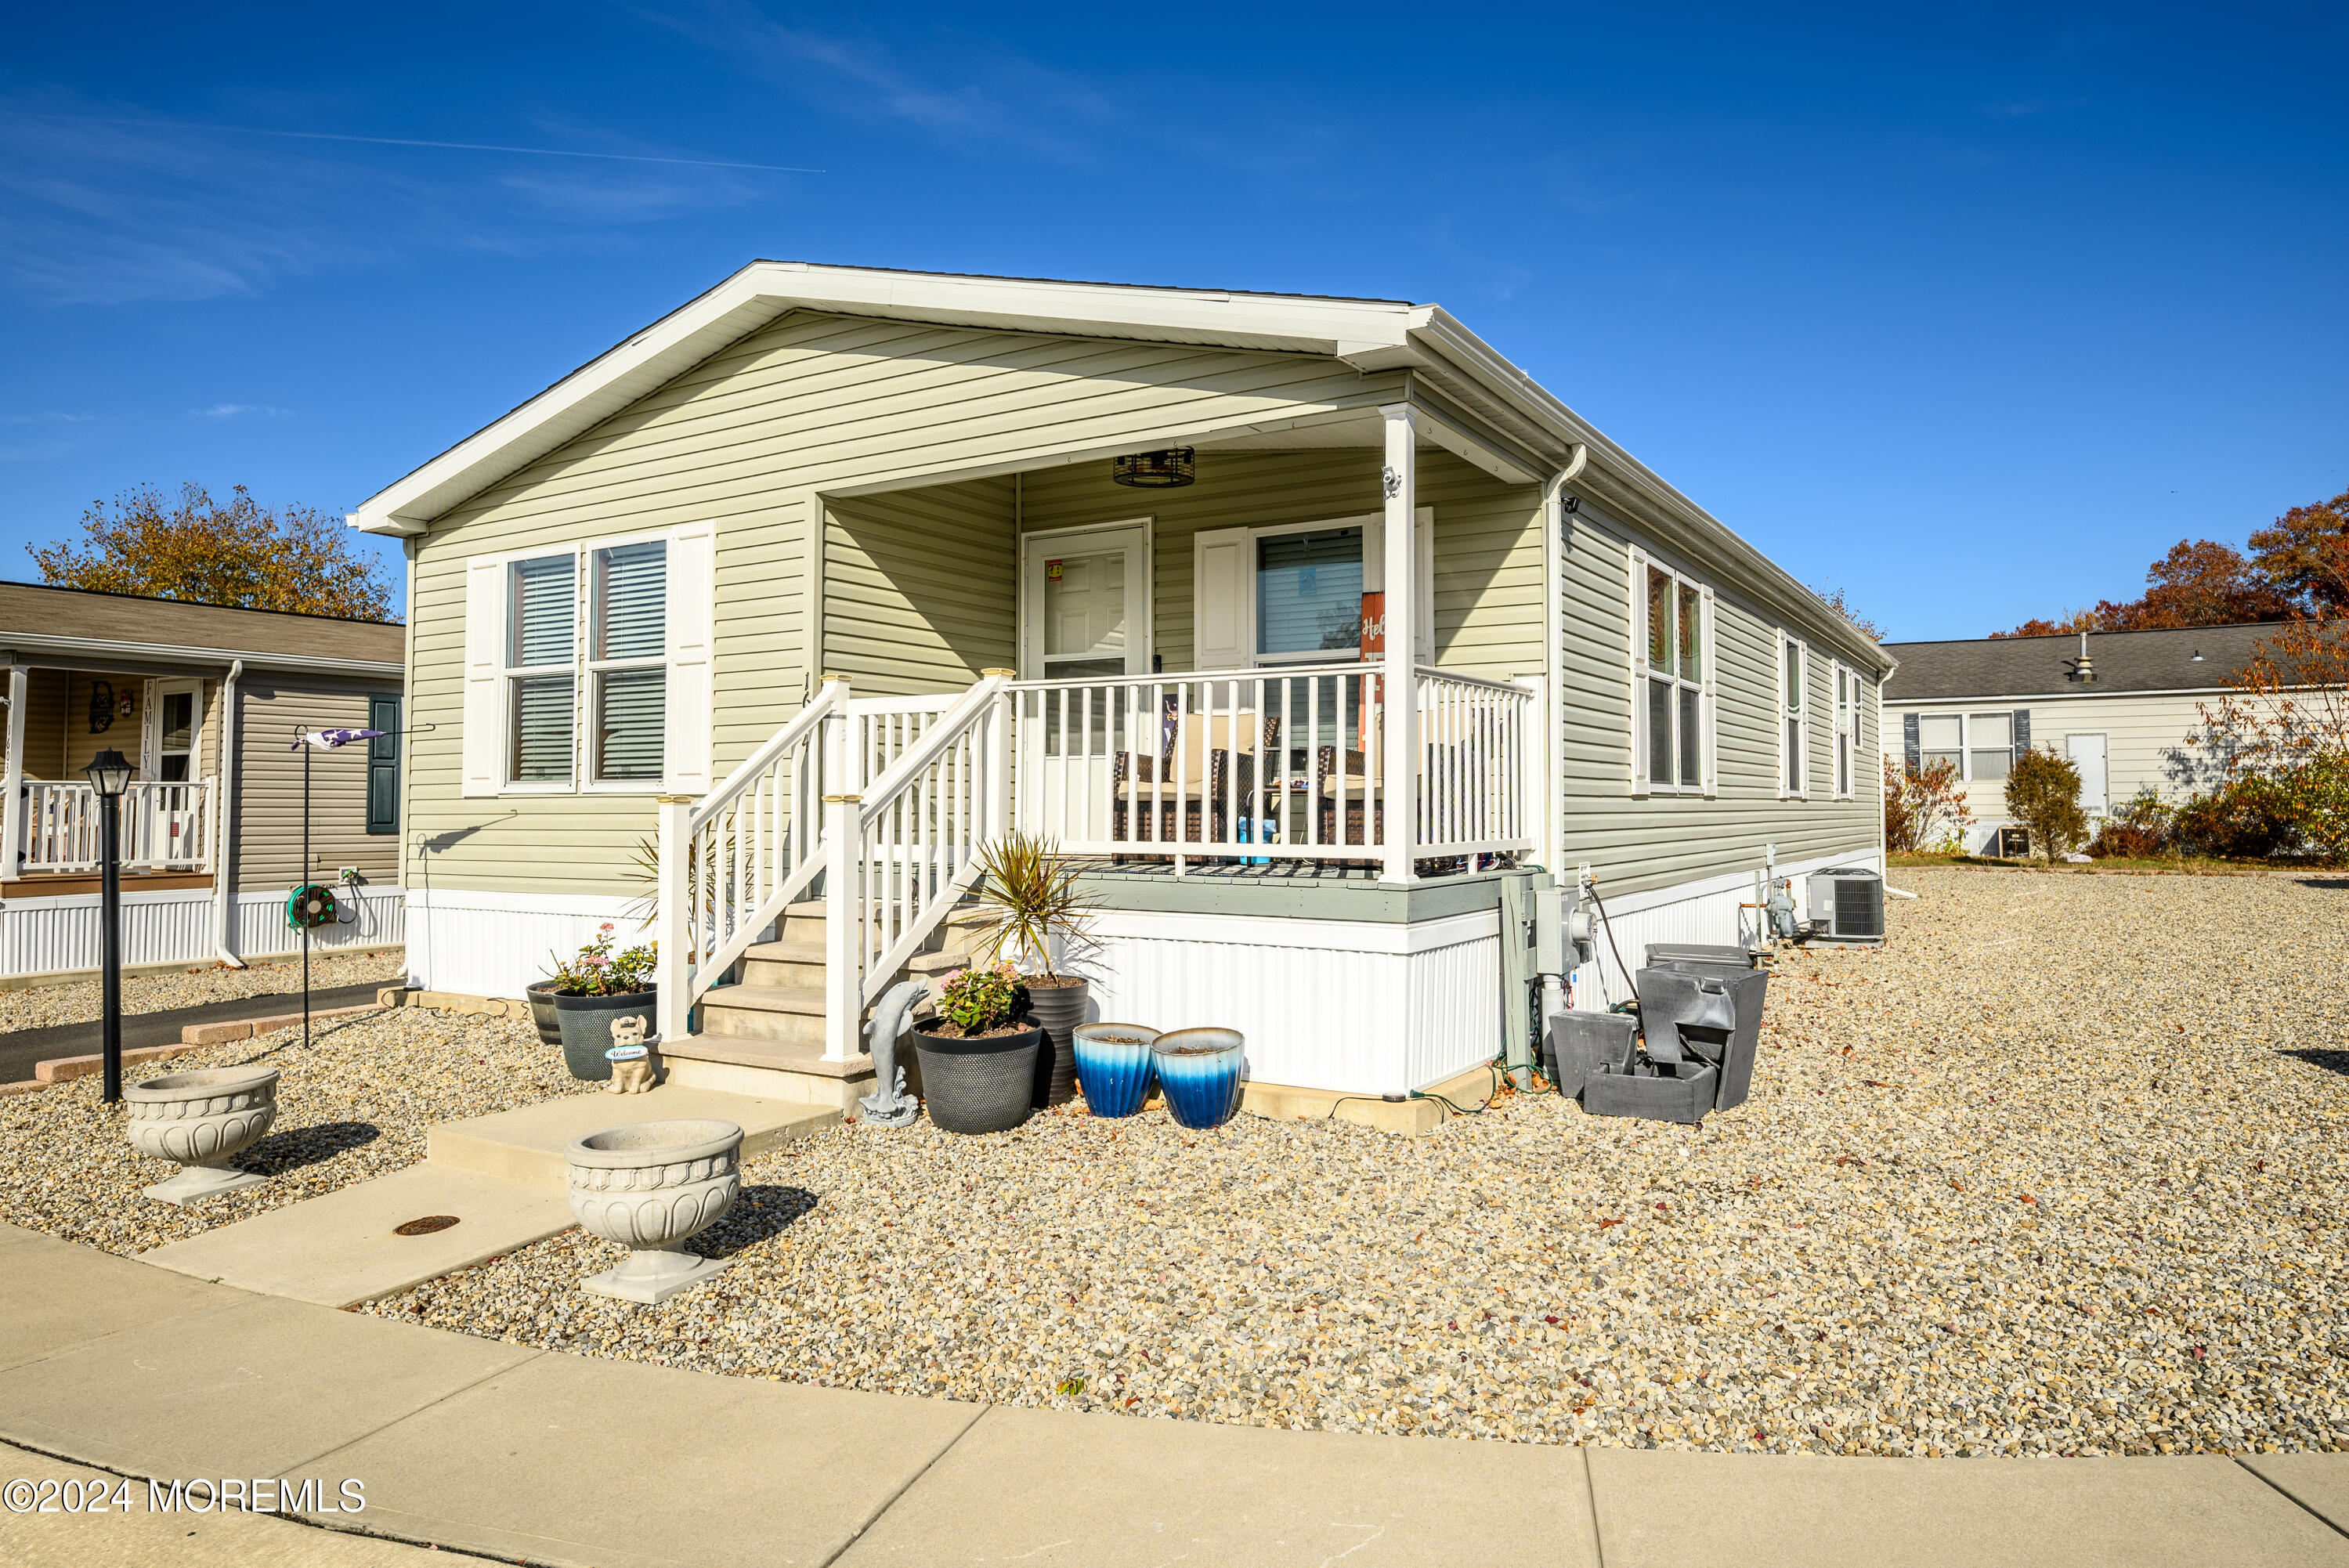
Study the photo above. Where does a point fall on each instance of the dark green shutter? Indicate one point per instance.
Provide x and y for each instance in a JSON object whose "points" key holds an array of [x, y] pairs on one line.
{"points": [[383, 765]]}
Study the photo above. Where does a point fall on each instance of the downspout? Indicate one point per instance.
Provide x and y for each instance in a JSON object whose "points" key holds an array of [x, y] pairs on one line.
{"points": [[224, 819], [1554, 516]]}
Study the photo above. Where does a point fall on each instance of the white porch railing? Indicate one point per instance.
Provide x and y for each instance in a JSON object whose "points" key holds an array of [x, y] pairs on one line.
{"points": [[1269, 764], [165, 827], [891, 801]]}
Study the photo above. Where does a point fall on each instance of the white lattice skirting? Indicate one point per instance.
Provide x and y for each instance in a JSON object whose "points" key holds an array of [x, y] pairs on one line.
{"points": [[60, 935]]}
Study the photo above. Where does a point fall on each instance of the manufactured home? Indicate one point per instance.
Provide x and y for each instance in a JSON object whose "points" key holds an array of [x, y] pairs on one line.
{"points": [[2124, 707], [204, 700], [1301, 619]]}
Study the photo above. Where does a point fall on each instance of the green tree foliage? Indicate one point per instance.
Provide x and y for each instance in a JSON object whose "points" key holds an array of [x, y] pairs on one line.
{"points": [[2042, 794], [237, 553]]}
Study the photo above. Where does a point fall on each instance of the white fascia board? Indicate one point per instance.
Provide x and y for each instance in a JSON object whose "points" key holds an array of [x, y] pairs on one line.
{"points": [[1934, 702], [763, 291]]}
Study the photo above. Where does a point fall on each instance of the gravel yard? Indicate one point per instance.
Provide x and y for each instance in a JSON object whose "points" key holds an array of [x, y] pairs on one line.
{"points": [[356, 1106], [2057, 1171], [38, 1006]]}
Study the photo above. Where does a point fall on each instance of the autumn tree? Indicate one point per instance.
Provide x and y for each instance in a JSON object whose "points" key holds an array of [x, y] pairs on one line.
{"points": [[1834, 600], [238, 553], [2304, 556], [2042, 794]]}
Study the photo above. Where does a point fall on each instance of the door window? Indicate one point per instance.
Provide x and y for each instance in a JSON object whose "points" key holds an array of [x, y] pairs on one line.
{"points": [[1084, 613], [1309, 595], [175, 740]]}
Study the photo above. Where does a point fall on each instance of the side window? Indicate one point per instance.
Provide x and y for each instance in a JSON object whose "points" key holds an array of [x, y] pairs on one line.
{"points": [[1794, 738], [1673, 727], [628, 659], [542, 667], [1989, 746], [1940, 737], [383, 765]]}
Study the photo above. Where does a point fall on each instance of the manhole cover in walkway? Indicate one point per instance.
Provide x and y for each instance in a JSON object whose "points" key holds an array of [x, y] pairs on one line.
{"points": [[425, 1226]]}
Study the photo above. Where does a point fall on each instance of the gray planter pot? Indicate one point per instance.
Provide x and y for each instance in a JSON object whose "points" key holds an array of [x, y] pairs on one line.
{"points": [[586, 1024], [542, 996], [979, 1085], [1677, 1091], [1058, 1010], [202, 1119]]}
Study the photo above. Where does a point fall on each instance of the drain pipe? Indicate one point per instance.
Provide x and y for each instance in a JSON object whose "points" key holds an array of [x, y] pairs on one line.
{"points": [[224, 819]]}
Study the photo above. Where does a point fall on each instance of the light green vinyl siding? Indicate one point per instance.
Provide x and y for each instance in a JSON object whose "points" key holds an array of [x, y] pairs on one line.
{"points": [[811, 404], [1488, 616], [1634, 843]]}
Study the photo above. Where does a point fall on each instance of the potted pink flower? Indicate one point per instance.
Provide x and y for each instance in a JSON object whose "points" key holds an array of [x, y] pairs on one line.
{"points": [[594, 989]]}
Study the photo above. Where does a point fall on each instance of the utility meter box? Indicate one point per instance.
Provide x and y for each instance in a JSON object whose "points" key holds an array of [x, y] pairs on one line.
{"points": [[1554, 949]]}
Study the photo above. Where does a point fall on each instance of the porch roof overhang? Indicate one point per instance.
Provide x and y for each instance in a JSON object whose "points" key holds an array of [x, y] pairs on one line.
{"points": [[42, 650], [1477, 403]]}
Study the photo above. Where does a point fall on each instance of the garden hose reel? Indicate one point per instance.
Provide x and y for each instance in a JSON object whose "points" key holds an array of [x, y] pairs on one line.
{"points": [[311, 906]]}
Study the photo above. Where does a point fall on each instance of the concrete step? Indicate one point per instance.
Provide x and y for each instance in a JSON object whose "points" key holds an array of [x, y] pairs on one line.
{"points": [[342, 1248], [802, 922], [784, 964], [779, 1012], [526, 1145], [777, 1069]]}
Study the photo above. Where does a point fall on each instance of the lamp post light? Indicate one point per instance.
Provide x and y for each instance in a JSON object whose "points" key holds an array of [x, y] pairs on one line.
{"points": [[110, 774]]}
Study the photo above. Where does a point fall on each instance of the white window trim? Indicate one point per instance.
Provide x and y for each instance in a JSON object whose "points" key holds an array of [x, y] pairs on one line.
{"points": [[1845, 760], [1966, 746], [580, 669], [1707, 685], [1799, 716], [1373, 527]]}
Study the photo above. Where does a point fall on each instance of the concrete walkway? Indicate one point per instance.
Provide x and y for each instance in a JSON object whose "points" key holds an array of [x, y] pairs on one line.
{"points": [[545, 1458]]}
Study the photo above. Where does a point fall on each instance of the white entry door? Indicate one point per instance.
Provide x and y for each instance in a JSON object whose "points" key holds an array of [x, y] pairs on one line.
{"points": [[2087, 754], [1084, 620]]}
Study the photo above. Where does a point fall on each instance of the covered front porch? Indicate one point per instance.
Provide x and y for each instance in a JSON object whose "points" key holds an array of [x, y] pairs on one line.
{"points": [[1302, 666], [51, 829]]}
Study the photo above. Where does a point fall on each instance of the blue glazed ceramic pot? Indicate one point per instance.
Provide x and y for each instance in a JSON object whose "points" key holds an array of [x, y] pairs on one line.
{"points": [[1113, 1067], [1199, 1073]]}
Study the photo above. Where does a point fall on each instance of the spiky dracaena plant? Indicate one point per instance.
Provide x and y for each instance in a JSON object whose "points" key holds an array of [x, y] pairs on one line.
{"points": [[1029, 898]]}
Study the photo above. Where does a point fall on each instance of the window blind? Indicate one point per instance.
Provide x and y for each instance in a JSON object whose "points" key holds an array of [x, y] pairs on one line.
{"points": [[542, 610], [632, 601], [632, 713], [541, 729]]}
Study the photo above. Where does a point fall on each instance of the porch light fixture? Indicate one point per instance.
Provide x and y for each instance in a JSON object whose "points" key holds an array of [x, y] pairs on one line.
{"points": [[110, 774], [1174, 466]]}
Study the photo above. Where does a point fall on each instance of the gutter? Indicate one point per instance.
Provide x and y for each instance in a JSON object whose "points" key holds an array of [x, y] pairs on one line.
{"points": [[1554, 658], [224, 819], [178, 654]]}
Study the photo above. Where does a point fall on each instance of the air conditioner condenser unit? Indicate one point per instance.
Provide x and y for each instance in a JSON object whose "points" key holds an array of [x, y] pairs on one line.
{"points": [[1846, 904]]}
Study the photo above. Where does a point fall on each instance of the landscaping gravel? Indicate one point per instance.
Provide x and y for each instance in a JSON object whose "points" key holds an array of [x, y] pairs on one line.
{"points": [[38, 1006], [355, 1105], [2055, 1172]]}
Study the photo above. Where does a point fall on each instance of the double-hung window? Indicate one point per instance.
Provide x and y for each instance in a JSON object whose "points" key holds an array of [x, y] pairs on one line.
{"points": [[588, 667], [1672, 721], [1794, 717], [628, 659], [1847, 731], [1979, 746]]}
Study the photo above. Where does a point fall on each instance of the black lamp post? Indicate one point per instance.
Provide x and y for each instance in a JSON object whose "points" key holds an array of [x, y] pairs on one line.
{"points": [[110, 774]]}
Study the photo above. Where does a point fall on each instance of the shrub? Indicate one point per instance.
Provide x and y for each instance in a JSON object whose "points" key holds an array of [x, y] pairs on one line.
{"points": [[2248, 818], [978, 1000], [1925, 808], [2042, 794], [2141, 827]]}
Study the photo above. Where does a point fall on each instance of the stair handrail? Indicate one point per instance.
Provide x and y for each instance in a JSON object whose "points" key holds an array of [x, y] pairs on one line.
{"points": [[852, 972], [683, 973]]}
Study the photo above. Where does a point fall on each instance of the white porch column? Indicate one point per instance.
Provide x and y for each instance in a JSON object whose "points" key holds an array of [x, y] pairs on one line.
{"points": [[12, 816], [673, 917], [1400, 744], [996, 753], [843, 929]]}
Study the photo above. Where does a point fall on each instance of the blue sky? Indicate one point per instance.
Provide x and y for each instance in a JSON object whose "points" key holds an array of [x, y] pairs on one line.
{"points": [[1971, 315]]}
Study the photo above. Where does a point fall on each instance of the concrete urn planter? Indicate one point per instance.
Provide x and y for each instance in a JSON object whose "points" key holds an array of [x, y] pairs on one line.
{"points": [[650, 1187], [202, 1119]]}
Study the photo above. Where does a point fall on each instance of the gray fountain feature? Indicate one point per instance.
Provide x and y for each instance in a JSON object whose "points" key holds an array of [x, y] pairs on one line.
{"points": [[889, 1105]]}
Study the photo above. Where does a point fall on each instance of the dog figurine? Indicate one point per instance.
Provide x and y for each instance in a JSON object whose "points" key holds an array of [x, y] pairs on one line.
{"points": [[634, 1074]]}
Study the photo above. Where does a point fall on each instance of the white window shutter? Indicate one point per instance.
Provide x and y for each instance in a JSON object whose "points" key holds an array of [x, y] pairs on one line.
{"points": [[1221, 586], [1711, 697], [485, 657], [1638, 579], [692, 608]]}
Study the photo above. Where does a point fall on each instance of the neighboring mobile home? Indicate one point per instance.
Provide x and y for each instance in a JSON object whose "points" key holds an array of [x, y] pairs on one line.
{"points": [[2123, 706], [205, 700], [834, 573]]}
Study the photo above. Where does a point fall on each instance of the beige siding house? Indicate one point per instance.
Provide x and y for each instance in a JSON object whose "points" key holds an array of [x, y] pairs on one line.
{"points": [[1304, 618], [205, 701], [2123, 706]]}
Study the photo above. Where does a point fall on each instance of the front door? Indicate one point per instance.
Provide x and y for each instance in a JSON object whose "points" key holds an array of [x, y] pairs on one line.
{"points": [[2087, 754], [1085, 624]]}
